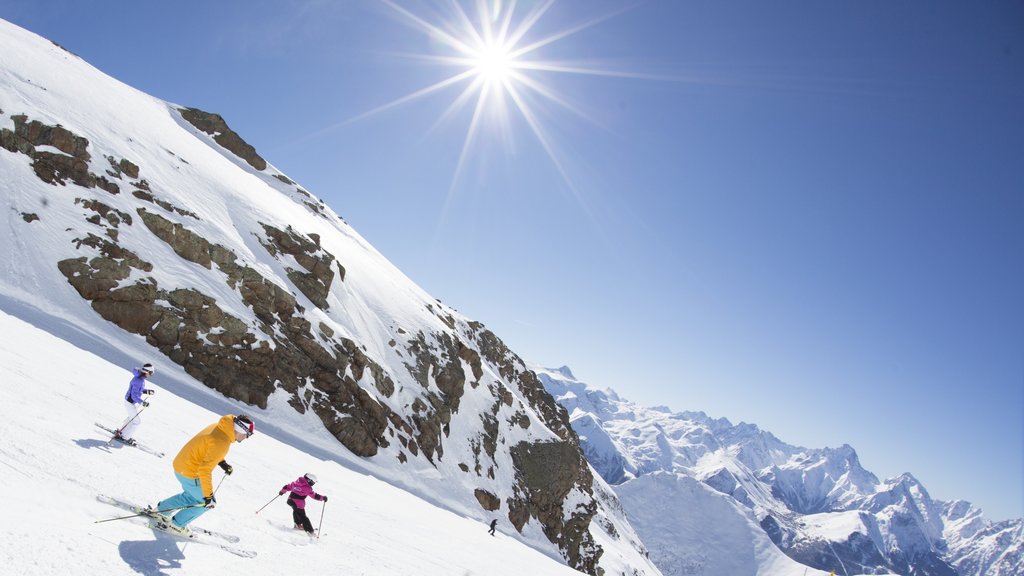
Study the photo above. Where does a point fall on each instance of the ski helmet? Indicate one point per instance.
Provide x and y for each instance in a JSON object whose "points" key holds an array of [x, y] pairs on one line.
{"points": [[245, 425], [311, 478], [147, 368]]}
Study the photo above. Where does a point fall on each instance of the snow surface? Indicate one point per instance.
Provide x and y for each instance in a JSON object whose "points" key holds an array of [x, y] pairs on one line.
{"points": [[700, 531], [54, 462], [376, 305], [666, 464]]}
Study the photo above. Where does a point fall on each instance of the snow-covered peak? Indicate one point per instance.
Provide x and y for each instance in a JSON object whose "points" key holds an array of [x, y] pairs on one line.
{"points": [[820, 505]]}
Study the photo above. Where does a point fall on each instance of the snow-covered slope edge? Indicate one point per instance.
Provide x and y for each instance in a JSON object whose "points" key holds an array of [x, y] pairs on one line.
{"points": [[136, 228], [58, 461], [820, 506]]}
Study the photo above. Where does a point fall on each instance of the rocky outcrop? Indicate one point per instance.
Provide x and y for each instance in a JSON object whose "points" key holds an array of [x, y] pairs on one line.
{"points": [[230, 355], [50, 167], [214, 125], [72, 164], [315, 283], [547, 473], [487, 501]]}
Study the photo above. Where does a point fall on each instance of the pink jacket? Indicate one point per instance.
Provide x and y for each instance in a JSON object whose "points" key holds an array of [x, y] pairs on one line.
{"points": [[300, 489]]}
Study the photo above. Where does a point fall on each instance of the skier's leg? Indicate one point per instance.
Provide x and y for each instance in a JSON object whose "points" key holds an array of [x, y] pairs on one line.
{"points": [[132, 421], [304, 521], [297, 514], [187, 500]]}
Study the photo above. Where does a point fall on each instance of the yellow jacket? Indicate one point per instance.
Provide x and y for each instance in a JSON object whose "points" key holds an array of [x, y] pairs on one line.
{"points": [[204, 451]]}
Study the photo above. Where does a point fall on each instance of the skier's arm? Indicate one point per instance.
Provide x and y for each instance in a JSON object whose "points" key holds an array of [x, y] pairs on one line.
{"points": [[214, 455]]}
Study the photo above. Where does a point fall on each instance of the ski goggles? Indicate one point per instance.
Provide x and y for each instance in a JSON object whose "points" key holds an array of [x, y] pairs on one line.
{"points": [[245, 426]]}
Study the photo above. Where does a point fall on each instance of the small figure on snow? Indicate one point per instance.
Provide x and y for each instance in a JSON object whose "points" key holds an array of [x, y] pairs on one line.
{"points": [[193, 467], [134, 404], [300, 488], [494, 524]]}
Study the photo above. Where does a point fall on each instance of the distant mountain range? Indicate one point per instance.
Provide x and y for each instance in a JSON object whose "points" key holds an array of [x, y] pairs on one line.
{"points": [[819, 506]]}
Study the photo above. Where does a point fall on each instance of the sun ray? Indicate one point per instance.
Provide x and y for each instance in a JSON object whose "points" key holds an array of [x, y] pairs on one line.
{"points": [[413, 96], [471, 133], [504, 73], [468, 28], [429, 28], [506, 23], [567, 68], [538, 131], [548, 93], [529, 22], [563, 34], [458, 104]]}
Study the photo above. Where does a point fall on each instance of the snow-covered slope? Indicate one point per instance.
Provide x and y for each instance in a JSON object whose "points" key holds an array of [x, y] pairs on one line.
{"points": [[136, 228], [54, 462], [692, 529], [820, 506]]}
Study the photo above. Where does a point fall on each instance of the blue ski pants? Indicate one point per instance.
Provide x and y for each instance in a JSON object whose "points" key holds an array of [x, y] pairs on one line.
{"points": [[187, 501]]}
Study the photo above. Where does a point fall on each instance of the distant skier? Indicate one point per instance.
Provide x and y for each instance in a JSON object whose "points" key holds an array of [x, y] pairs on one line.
{"points": [[193, 467], [494, 524], [300, 489], [133, 403]]}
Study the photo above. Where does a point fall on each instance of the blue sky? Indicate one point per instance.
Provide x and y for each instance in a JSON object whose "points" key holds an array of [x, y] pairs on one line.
{"points": [[804, 215]]}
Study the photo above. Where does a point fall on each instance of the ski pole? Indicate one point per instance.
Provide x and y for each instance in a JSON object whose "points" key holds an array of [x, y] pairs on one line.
{"points": [[321, 520], [268, 503], [121, 429], [218, 485], [147, 513]]}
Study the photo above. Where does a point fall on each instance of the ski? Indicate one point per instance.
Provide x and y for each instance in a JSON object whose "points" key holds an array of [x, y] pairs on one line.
{"points": [[115, 438], [135, 508], [203, 536]]}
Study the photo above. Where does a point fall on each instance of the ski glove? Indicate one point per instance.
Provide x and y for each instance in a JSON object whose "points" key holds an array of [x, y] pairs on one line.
{"points": [[145, 404], [209, 502], [148, 391], [226, 467], [324, 498]]}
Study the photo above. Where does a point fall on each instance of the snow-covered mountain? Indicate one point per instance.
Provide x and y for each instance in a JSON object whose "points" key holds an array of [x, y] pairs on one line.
{"points": [[139, 229], [56, 463], [819, 506]]}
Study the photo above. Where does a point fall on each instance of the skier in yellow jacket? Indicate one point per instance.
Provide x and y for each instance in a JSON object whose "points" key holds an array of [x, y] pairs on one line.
{"points": [[193, 466]]}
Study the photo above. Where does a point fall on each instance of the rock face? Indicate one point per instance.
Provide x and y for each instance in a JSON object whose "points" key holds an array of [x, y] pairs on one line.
{"points": [[214, 125], [316, 281], [548, 472], [250, 334]]}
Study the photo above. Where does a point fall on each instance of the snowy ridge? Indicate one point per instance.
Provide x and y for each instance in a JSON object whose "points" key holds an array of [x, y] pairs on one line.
{"points": [[132, 231], [819, 506]]}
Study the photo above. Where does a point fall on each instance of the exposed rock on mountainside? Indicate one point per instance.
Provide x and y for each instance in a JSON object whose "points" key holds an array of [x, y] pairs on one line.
{"points": [[215, 126], [187, 237]]}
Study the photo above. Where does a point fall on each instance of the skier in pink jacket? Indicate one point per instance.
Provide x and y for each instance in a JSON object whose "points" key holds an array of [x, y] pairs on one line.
{"points": [[301, 488]]}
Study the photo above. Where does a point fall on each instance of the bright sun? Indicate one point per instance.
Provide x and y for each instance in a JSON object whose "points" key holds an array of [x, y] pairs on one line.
{"points": [[491, 57], [494, 64]]}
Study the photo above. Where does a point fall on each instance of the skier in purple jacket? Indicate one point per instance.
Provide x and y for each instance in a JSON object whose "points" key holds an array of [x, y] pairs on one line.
{"points": [[133, 403], [301, 488]]}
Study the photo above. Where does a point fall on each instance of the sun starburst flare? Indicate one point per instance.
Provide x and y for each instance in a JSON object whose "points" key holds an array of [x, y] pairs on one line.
{"points": [[496, 66]]}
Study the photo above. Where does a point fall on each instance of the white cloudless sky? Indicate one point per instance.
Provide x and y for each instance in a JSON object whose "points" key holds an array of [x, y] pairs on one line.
{"points": [[804, 215]]}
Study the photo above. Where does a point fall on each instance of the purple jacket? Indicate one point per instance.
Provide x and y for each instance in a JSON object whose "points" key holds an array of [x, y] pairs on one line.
{"points": [[135, 387], [300, 489]]}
